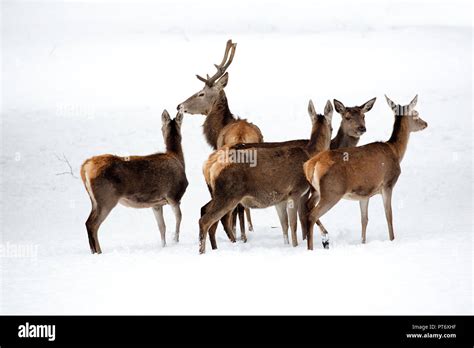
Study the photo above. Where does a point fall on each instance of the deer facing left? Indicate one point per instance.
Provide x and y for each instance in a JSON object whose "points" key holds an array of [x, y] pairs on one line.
{"points": [[221, 127], [137, 181]]}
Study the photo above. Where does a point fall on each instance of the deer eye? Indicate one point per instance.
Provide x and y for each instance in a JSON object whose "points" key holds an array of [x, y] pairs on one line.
{"points": [[201, 95]]}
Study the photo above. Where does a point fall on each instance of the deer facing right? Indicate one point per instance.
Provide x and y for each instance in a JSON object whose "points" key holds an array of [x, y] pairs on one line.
{"points": [[352, 127], [361, 172]]}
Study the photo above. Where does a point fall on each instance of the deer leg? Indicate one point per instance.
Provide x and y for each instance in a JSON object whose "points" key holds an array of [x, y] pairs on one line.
{"points": [[90, 229], [310, 204], [230, 229], [98, 214], [178, 216], [249, 219], [323, 206], [283, 216], [302, 212], [322, 229], [312, 199], [292, 214], [227, 228], [364, 216], [213, 228], [230, 233], [158, 211], [240, 210], [214, 212], [387, 203], [204, 208], [212, 235], [90, 226], [234, 222], [227, 223]]}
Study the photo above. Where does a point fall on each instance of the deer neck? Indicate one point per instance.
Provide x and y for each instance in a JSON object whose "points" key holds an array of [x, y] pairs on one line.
{"points": [[318, 140], [400, 136], [173, 145], [218, 117], [343, 140]]}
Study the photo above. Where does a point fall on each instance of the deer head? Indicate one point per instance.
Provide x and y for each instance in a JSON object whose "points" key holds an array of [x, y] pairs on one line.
{"points": [[328, 111], [202, 101], [415, 123], [353, 118], [321, 132], [171, 128]]}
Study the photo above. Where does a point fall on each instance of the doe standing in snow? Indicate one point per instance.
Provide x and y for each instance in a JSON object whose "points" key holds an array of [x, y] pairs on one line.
{"points": [[351, 129], [358, 173], [138, 182], [276, 180]]}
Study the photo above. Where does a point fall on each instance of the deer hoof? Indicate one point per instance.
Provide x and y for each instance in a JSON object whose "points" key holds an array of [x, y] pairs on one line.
{"points": [[326, 244]]}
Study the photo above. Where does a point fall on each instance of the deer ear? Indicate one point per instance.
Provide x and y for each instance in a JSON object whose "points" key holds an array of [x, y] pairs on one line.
{"points": [[412, 104], [340, 108], [222, 82], [165, 117], [368, 105], [328, 111], [390, 103], [312, 111], [179, 118]]}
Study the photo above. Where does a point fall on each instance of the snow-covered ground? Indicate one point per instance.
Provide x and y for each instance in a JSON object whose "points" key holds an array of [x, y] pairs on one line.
{"points": [[80, 79]]}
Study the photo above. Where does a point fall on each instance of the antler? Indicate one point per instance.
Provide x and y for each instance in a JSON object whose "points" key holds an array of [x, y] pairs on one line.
{"points": [[221, 68]]}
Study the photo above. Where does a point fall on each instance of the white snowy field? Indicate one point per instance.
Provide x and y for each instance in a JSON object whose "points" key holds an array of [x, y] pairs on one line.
{"points": [[86, 78]]}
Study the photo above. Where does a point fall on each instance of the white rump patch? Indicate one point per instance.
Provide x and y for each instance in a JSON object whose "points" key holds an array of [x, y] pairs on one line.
{"points": [[89, 189]]}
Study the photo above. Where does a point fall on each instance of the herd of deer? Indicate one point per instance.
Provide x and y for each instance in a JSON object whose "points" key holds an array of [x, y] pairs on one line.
{"points": [[303, 178]]}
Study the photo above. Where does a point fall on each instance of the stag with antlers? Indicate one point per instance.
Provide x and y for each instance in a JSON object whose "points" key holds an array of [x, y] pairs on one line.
{"points": [[221, 127]]}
